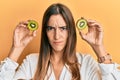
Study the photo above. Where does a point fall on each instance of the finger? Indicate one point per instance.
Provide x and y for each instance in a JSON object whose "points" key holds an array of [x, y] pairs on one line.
{"points": [[93, 25], [97, 27], [34, 33], [90, 21], [24, 22], [22, 26], [29, 20]]}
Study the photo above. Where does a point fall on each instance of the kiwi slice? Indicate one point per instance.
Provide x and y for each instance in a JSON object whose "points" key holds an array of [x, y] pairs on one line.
{"points": [[32, 25], [81, 24]]}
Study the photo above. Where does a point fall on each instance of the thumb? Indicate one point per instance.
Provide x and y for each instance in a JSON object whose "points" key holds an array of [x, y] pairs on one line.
{"points": [[34, 33]]}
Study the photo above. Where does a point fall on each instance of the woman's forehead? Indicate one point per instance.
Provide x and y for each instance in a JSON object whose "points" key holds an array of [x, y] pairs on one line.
{"points": [[56, 20]]}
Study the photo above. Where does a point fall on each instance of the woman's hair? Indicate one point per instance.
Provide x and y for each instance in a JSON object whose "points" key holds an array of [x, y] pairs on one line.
{"points": [[69, 55]]}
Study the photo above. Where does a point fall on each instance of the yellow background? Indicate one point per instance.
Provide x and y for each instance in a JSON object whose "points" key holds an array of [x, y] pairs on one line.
{"points": [[106, 12]]}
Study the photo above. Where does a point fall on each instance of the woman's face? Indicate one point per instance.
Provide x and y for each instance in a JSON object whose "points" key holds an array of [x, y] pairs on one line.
{"points": [[57, 32]]}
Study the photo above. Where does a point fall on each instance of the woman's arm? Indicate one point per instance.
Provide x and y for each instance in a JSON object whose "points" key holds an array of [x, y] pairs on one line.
{"points": [[94, 71], [94, 37], [22, 36], [7, 69]]}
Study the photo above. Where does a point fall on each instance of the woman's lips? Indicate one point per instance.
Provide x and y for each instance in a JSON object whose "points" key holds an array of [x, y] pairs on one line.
{"points": [[57, 42]]}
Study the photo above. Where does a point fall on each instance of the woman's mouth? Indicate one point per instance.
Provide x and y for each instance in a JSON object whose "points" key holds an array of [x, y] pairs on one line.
{"points": [[57, 42]]}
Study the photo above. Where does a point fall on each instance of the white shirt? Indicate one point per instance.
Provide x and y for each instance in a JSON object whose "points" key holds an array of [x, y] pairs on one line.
{"points": [[89, 69]]}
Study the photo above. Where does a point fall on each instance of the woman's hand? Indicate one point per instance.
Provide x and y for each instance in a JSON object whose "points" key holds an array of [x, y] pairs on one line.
{"points": [[22, 36], [94, 36]]}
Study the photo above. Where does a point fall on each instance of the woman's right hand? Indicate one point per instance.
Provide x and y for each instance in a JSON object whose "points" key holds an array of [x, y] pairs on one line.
{"points": [[22, 36]]}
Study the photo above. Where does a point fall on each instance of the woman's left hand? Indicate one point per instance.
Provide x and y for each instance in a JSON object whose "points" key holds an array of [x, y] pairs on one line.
{"points": [[94, 36]]}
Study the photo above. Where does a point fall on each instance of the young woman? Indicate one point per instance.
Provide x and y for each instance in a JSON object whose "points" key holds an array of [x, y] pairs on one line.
{"points": [[58, 59]]}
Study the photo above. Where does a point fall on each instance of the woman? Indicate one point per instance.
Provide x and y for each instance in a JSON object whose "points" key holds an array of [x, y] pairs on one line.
{"points": [[58, 59]]}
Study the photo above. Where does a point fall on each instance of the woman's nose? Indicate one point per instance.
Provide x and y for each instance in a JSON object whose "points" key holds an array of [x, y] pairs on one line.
{"points": [[57, 34]]}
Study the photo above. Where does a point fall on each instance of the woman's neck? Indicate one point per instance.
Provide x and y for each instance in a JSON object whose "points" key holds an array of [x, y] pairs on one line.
{"points": [[57, 57]]}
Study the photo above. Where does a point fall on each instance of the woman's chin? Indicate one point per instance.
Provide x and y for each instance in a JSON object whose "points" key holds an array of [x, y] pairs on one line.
{"points": [[58, 49]]}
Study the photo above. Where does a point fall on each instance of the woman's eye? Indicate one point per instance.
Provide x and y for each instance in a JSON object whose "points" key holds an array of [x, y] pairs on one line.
{"points": [[63, 28], [49, 28]]}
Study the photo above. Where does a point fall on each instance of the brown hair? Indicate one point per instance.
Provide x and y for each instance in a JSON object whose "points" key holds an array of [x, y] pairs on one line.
{"points": [[69, 55]]}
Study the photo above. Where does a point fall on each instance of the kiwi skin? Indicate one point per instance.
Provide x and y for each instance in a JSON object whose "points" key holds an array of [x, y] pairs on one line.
{"points": [[81, 23], [32, 25]]}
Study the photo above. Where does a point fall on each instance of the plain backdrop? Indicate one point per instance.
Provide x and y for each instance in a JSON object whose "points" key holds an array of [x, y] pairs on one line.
{"points": [[106, 12]]}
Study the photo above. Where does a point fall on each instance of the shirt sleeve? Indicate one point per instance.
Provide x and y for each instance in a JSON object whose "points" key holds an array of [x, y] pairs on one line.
{"points": [[104, 71], [27, 69], [110, 71], [91, 70], [7, 69]]}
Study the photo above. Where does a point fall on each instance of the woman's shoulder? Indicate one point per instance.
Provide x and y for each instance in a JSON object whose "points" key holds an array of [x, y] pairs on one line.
{"points": [[84, 58], [32, 56], [87, 62]]}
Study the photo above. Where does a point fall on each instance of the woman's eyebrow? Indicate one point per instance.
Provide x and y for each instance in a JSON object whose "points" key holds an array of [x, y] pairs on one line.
{"points": [[59, 26], [62, 26], [49, 26]]}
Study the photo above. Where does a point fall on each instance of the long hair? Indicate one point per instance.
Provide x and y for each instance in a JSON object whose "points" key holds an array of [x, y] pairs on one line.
{"points": [[69, 55]]}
